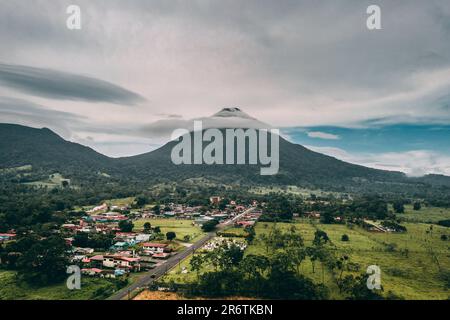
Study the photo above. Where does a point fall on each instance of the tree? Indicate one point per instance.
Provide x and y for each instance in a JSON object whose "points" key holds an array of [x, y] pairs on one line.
{"points": [[298, 255], [81, 239], [250, 234], [196, 263], [279, 208], [126, 226], [356, 288], [157, 229], [345, 237], [101, 241], [44, 262], [2, 253], [209, 225], [254, 268], [170, 235], [147, 227], [327, 217], [231, 256], [313, 255], [399, 207], [223, 204], [417, 206], [320, 237], [141, 201]]}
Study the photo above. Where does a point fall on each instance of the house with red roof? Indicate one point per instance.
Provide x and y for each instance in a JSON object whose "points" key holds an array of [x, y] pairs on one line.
{"points": [[122, 262], [7, 236]]}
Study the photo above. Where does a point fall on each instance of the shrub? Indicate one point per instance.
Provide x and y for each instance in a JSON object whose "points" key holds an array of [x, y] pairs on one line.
{"points": [[345, 238], [170, 235], [445, 223], [209, 226]]}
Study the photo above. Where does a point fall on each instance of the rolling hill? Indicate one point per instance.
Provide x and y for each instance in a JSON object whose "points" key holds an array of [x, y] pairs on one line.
{"points": [[44, 149]]}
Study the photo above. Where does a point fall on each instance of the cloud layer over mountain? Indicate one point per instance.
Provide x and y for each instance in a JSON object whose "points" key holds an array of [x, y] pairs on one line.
{"points": [[288, 63]]}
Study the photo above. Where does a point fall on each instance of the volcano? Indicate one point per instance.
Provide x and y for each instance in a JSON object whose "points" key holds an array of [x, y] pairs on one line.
{"points": [[48, 153]]}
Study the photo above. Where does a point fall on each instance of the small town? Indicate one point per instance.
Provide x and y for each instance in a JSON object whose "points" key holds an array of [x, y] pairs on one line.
{"points": [[138, 250]]}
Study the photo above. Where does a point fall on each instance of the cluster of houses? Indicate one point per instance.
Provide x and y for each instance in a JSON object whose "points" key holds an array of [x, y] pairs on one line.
{"points": [[115, 263], [7, 236], [133, 251], [376, 227], [248, 219], [316, 215], [130, 251], [180, 211]]}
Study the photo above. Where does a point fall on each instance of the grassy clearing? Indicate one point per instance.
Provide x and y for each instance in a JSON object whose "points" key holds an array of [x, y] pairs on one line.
{"points": [[175, 275], [91, 289], [425, 214], [411, 262], [236, 231], [54, 180], [120, 202], [17, 169], [292, 190], [181, 228]]}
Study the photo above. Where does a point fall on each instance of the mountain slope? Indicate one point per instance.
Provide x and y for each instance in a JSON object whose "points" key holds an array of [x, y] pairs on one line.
{"points": [[49, 153], [44, 149], [298, 166]]}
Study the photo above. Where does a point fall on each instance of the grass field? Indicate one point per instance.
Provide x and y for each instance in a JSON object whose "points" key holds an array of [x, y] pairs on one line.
{"points": [[181, 228], [425, 214], [16, 169], [120, 202], [175, 275], [292, 190], [91, 289], [236, 231], [411, 263]]}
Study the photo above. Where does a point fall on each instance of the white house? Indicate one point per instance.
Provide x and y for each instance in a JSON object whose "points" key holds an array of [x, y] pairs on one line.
{"points": [[154, 247]]}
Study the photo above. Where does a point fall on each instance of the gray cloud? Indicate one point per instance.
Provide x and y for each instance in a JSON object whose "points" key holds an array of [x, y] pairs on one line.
{"points": [[286, 62], [60, 85], [24, 112], [226, 118]]}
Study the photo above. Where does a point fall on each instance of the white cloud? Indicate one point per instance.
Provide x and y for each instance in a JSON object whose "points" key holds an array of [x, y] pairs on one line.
{"points": [[322, 135], [414, 163]]}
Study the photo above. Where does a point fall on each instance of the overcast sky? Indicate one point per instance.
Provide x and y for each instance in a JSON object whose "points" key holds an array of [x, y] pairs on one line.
{"points": [[310, 67]]}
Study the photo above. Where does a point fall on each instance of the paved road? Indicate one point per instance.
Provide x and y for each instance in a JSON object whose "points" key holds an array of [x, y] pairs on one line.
{"points": [[159, 271]]}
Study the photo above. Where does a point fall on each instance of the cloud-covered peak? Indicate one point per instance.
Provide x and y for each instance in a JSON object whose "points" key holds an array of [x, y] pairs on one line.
{"points": [[232, 112]]}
